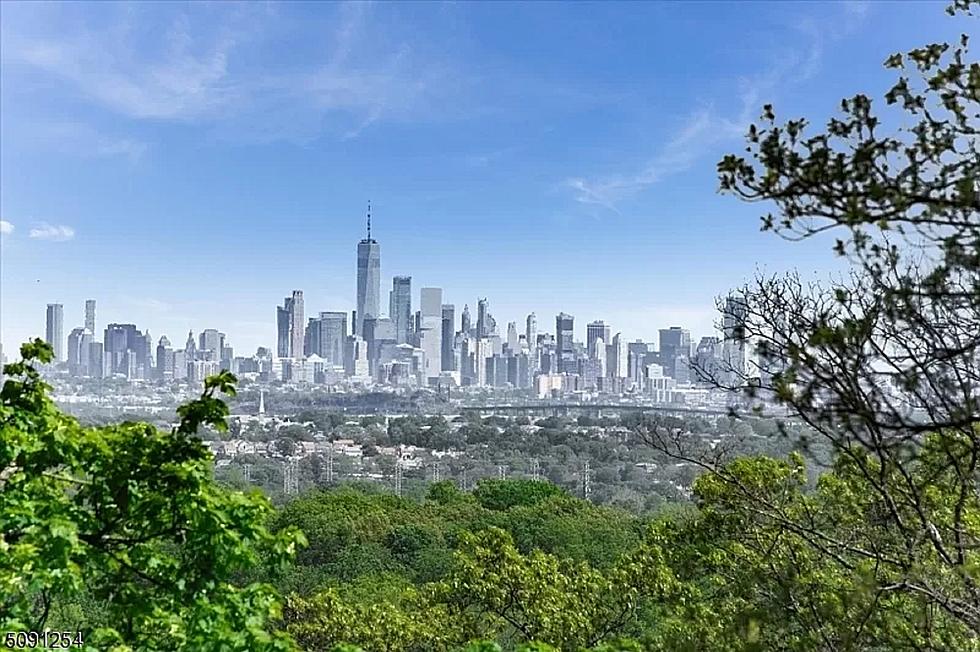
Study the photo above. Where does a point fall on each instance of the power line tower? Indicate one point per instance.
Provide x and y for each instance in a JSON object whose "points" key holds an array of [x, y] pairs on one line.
{"points": [[247, 470], [587, 481], [535, 469], [290, 477], [398, 478], [465, 488], [435, 472], [330, 464], [502, 471]]}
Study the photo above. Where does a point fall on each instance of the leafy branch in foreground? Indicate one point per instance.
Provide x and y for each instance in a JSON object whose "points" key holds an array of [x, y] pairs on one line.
{"points": [[884, 363], [126, 524]]}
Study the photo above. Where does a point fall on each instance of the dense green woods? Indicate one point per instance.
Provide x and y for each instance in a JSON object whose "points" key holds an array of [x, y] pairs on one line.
{"points": [[122, 532]]}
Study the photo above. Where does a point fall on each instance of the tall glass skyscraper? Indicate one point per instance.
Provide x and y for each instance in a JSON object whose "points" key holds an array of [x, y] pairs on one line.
{"points": [[90, 315], [368, 279], [564, 324], [54, 332], [400, 307]]}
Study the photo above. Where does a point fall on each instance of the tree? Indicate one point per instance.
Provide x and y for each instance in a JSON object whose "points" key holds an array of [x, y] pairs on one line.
{"points": [[496, 591], [127, 523], [885, 363]]}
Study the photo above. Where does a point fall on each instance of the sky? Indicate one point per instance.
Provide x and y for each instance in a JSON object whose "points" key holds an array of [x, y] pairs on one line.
{"points": [[189, 165]]}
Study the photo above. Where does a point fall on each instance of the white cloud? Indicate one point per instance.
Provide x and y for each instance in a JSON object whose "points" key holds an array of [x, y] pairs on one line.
{"points": [[705, 129], [6, 228], [52, 232], [202, 70], [82, 140]]}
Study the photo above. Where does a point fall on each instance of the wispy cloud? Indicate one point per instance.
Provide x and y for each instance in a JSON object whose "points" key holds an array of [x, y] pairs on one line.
{"points": [[6, 228], [704, 129], [150, 304], [52, 232], [83, 140], [186, 72]]}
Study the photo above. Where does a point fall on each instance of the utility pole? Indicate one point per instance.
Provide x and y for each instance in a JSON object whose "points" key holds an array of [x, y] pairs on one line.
{"points": [[587, 481], [248, 473], [398, 478], [330, 464], [535, 469], [502, 471], [465, 488], [290, 478]]}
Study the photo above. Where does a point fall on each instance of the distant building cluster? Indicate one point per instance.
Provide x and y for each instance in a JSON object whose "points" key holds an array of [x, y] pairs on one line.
{"points": [[432, 346]]}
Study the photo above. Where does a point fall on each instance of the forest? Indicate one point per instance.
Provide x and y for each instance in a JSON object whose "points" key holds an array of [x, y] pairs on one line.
{"points": [[122, 533]]}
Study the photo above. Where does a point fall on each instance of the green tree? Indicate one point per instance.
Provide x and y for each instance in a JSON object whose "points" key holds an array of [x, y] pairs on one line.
{"points": [[495, 591], [884, 364], [125, 525]]}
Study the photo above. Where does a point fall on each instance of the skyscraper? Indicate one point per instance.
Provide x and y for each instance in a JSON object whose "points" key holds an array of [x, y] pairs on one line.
{"points": [[401, 307], [297, 324], [430, 340], [90, 315], [675, 352], [165, 359], [54, 333], [331, 333], [282, 329], [597, 330], [448, 337], [120, 343], [213, 342], [734, 349], [617, 357], [512, 342], [564, 324], [465, 325], [290, 328], [485, 323], [78, 344], [531, 331], [368, 278]]}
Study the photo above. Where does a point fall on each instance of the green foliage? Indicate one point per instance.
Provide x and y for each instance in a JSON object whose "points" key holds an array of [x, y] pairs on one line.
{"points": [[505, 494], [547, 598], [128, 520]]}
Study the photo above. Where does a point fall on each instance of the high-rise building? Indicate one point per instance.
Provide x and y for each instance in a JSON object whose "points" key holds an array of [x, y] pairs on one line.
{"points": [[329, 331], [430, 330], [531, 331], [211, 344], [448, 337], [485, 323], [512, 342], [90, 315], [79, 341], [565, 347], [54, 332], [96, 365], [617, 360], [707, 367], [465, 325], [121, 342], [290, 327], [675, 352], [597, 330], [734, 351], [165, 359], [368, 279], [400, 307]]}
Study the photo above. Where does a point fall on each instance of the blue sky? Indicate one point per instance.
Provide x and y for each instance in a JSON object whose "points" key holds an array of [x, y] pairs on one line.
{"points": [[188, 165]]}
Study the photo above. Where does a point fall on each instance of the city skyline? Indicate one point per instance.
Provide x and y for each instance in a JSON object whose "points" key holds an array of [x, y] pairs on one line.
{"points": [[515, 168]]}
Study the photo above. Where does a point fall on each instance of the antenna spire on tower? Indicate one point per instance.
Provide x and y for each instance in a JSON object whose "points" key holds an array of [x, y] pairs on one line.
{"points": [[369, 221]]}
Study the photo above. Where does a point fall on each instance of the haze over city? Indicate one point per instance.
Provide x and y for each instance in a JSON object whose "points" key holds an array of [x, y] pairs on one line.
{"points": [[190, 165]]}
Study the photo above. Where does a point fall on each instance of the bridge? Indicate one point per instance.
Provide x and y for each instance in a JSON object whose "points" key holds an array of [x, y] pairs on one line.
{"points": [[589, 409]]}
